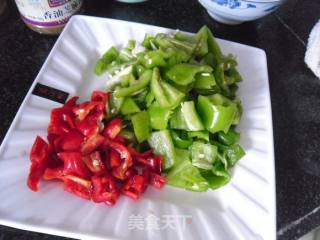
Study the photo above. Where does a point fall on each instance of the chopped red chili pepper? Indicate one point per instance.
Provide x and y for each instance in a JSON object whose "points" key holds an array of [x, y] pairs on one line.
{"points": [[83, 110], [71, 102], [113, 128], [91, 143], [119, 172], [89, 126], [58, 124], [71, 141], [39, 160], [114, 159], [154, 162], [157, 180], [73, 164], [104, 190], [89, 157], [131, 172], [94, 162], [98, 96], [78, 186], [135, 153], [53, 173], [120, 139], [134, 187]]}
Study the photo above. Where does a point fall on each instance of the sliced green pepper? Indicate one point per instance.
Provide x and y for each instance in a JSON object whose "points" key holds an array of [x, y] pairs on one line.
{"points": [[185, 175], [217, 112], [148, 42], [229, 138], [141, 126], [204, 135], [139, 70], [180, 142], [165, 94], [191, 117], [204, 81], [140, 97], [159, 116], [203, 155], [213, 46], [177, 120], [165, 41], [152, 59], [233, 154], [106, 59], [186, 118], [173, 95], [126, 79], [129, 106], [184, 37], [238, 115], [184, 73], [161, 143], [157, 89], [149, 99], [202, 42], [125, 54], [114, 105], [217, 177], [140, 84]]}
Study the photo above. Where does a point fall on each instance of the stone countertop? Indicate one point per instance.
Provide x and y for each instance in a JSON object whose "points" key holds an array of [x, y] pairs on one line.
{"points": [[295, 91]]}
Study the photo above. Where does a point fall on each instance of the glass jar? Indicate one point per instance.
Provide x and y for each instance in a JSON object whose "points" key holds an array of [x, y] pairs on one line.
{"points": [[3, 9], [47, 16]]}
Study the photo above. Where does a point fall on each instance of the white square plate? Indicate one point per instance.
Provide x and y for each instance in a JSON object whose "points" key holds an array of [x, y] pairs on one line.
{"points": [[244, 209]]}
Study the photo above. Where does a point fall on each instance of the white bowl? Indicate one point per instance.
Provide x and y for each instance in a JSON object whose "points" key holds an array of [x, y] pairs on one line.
{"points": [[234, 12]]}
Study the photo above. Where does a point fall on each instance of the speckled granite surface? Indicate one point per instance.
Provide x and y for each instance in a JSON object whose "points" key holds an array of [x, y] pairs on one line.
{"points": [[295, 92]]}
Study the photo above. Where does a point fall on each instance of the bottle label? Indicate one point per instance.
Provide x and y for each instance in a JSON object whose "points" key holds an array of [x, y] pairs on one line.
{"points": [[48, 13]]}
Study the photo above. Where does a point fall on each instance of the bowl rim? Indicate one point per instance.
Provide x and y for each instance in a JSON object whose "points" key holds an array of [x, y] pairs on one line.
{"points": [[259, 1]]}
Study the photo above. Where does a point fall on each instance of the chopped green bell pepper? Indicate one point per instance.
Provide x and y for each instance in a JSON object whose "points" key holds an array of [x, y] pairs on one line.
{"points": [[129, 106], [203, 155], [125, 54], [140, 84], [165, 94], [126, 79], [114, 105], [204, 81], [159, 116], [213, 46], [186, 118], [161, 143], [179, 141], [229, 138], [184, 175], [149, 99], [173, 95], [217, 112], [157, 90], [238, 115], [202, 42], [139, 70], [141, 126], [152, 59], [107, 58], [184, 73], [217, 177], [148, 42], [233, 154], [204, 135]]}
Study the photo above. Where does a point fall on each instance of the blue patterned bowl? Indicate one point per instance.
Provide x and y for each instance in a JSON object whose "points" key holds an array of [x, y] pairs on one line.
{"points": [[237, 11]]}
